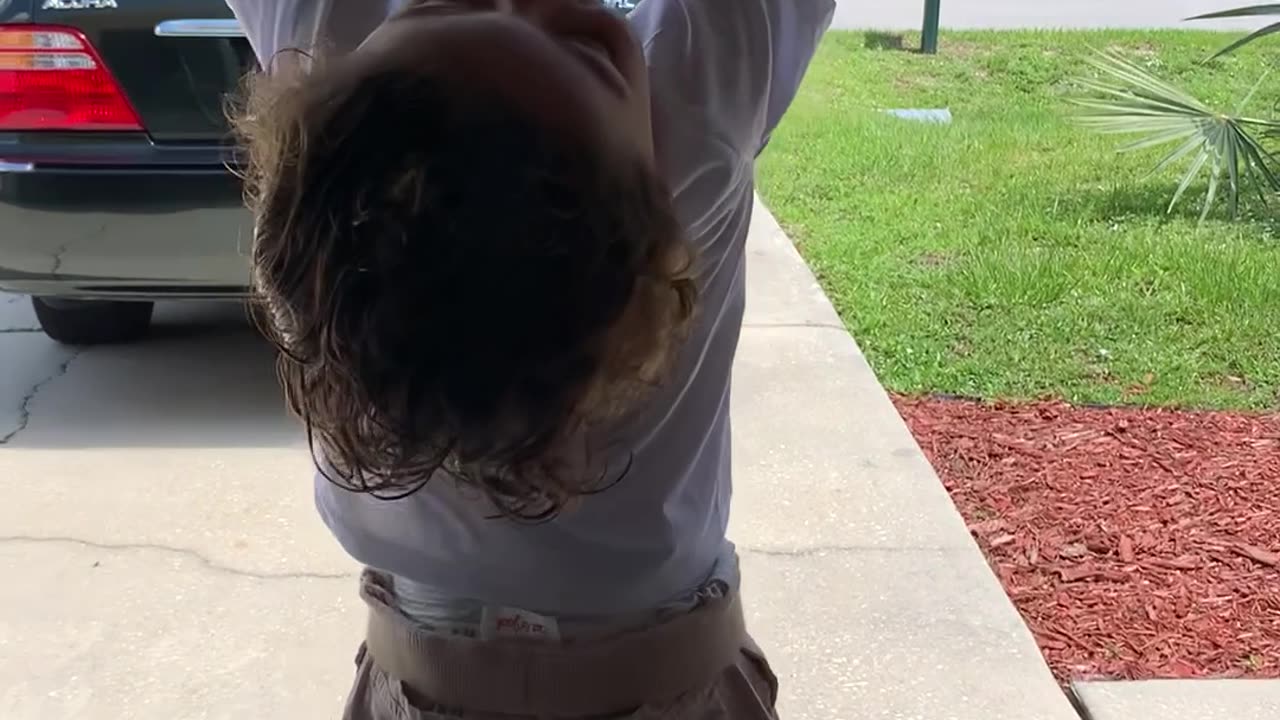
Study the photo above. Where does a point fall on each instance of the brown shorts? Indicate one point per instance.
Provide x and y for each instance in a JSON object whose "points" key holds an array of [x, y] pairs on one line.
{"points": [[696, 666]]}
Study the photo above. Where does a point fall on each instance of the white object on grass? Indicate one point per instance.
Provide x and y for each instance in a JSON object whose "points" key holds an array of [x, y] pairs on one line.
{"points": [[941, 116]]}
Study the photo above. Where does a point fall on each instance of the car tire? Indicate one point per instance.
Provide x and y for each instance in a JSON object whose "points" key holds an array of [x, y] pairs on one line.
{"points": [[92, 322]]}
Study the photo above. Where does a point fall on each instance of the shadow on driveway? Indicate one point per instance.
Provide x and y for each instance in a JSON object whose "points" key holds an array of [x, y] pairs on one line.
{"points": [[203, 379]]}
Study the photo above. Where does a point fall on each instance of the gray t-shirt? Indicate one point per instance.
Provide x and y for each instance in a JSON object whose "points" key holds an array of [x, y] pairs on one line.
{"points": [[722, 74]]}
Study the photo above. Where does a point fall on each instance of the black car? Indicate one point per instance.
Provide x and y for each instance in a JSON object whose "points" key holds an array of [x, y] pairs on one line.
{"points": [[114, 154], [114, 149]]}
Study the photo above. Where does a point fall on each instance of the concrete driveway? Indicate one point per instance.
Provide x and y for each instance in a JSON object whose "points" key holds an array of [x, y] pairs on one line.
{"points": [[160, 553]]}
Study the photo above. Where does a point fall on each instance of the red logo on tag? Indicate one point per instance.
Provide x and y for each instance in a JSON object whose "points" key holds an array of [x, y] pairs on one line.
{"points": [[513, 623], [519, 625]]}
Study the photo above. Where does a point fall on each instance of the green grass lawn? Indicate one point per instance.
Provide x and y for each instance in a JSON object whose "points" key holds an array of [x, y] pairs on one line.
{"points": [[1013, 254]]}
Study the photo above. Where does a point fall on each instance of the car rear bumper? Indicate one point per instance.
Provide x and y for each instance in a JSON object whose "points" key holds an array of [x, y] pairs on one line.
{"points": [[121, 219]]}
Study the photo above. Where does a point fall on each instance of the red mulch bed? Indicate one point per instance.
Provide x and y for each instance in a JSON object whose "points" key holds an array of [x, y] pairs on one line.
{"points": [[1136, 543]]}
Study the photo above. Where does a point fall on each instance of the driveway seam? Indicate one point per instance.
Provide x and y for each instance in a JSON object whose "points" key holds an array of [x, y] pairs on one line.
{"points": [[204, 560], [794, 326], [1078, 704], [820, 550]]}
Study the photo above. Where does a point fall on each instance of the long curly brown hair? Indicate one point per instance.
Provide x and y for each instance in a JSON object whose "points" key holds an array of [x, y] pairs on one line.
{"points": [[452, 289]]}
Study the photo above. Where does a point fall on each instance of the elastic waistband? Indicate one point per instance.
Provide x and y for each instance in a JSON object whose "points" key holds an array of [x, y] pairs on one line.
{"points": [[594, 677]]}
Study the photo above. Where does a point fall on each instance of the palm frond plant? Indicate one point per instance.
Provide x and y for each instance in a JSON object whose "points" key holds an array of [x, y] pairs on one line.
{"points": [[1127, 99], [1270, 9]]}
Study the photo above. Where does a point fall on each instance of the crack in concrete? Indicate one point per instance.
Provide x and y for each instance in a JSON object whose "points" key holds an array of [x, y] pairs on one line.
{"points": [[57, 258], [211, 564], [9, 331], [204, 560], [62, 249], [24, 409]]}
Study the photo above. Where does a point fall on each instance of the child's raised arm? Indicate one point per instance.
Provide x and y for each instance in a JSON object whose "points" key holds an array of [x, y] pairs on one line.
{"points": [[735, 63], [275, 28]]}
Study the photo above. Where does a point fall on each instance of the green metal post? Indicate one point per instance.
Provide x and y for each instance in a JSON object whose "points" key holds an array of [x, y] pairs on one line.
{"points": [[929, 34]]}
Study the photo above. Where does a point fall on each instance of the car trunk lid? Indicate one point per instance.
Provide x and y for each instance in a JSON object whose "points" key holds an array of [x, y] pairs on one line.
{"points": [[175, 60]]}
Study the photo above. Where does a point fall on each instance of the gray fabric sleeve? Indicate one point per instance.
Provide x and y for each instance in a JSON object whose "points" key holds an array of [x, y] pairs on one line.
{"points": [[738, 63], [274, 27]]}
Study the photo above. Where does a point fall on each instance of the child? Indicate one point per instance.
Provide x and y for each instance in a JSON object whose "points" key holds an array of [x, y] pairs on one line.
{"points": [[500, 245]]}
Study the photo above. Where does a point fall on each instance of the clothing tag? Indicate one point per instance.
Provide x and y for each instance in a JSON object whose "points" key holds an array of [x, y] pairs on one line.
{"points": [[453, 629], [514, 624]]}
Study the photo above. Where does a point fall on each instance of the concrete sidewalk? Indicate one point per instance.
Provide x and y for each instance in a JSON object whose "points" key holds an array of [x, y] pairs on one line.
{"points": [[1009, 14], [1204, 699], [861, 578]]}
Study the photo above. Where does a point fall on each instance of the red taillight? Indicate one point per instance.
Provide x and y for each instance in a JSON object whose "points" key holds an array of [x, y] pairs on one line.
{"points": [[51, 78]]}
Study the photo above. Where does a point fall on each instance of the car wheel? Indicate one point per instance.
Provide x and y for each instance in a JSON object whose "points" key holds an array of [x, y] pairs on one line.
{"points": [[92, 322]]}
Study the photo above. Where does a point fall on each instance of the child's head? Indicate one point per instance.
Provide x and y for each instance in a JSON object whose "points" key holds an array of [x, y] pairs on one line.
{"points": [[463, 249]]}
